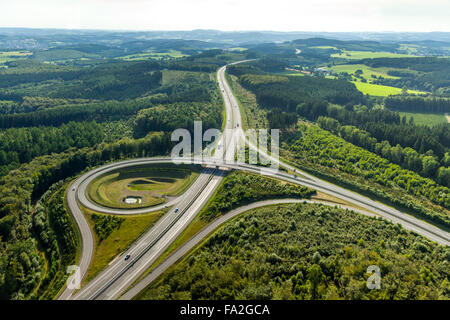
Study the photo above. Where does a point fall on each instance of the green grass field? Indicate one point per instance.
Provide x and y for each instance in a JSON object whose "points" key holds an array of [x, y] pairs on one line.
{"points": [[367, 71], [119, 240], [150, 184], [6, 56], [380, 90], [428, 119], [153, 55], [323, 47], [367, 55]]}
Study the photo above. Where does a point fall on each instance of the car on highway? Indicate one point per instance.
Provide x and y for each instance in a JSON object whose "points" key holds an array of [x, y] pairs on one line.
{"points": [[176, 210], [73, 189], [127, 257]]}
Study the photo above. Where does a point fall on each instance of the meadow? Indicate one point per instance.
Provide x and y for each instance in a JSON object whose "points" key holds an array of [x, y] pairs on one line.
{"points": [[367, 72], [153, 55], [428, 119], [6, 56], [118, 238], [380, 90], [356, 55]]}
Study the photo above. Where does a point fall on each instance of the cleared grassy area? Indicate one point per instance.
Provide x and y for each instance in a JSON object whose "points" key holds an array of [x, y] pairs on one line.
{"points": [[410, 48], [149, 183], [380, 90], [6, 56], [368, 55], [428, 119], [119, 240], [237, 49], [170, 77], [367, 71], [153, 55], [323, 47]]}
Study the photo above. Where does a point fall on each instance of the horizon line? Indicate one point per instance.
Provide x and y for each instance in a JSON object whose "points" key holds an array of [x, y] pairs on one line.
{"points": [[219, 30]]}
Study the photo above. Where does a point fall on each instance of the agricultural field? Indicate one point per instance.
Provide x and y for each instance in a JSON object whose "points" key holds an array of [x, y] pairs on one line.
{"points": [[380, 90], [427, 119], [356, 55], [367, 72], [324, 47], [153, 55], [6, 56], [137, 187]]}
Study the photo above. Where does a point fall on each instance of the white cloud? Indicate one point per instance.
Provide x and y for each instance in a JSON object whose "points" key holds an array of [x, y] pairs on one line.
{"points": [[284, 15]]}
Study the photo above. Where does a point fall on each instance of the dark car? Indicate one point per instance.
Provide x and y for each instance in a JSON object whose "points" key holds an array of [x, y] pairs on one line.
{"points": [[127, 257]]}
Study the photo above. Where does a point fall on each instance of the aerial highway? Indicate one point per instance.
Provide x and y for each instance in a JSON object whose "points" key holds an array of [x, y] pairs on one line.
{"points": [[121, 273]]}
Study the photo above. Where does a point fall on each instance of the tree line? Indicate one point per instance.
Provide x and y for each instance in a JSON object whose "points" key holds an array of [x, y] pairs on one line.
{"points": [[426, 164], [417, 104], [179, 115], [19, 145], [241, 188], [321, 152], [384, 125], [287, 92]]}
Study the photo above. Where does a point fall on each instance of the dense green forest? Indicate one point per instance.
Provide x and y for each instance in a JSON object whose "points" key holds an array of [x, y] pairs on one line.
{"points": [[426, 164], [286, 92], [19, 190], [385, 125], [417, 104], [114, 80], [180, 115], [23, 144], [307, 251], [317, 150], [240, 188]]}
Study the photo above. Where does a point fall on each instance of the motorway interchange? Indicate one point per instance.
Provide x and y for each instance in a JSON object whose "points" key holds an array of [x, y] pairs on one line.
{"points": [[115, 281]]}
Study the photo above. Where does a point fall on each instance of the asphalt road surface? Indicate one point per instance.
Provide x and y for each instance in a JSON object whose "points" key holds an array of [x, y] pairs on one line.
{"points": [[121, 273]]}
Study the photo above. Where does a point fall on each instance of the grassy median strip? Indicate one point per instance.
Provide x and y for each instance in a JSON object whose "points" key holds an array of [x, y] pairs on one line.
{"points": [[118, 239]]}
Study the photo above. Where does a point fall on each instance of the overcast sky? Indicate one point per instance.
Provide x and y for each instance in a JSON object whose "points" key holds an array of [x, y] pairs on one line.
{"points": [[280, 15]]}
